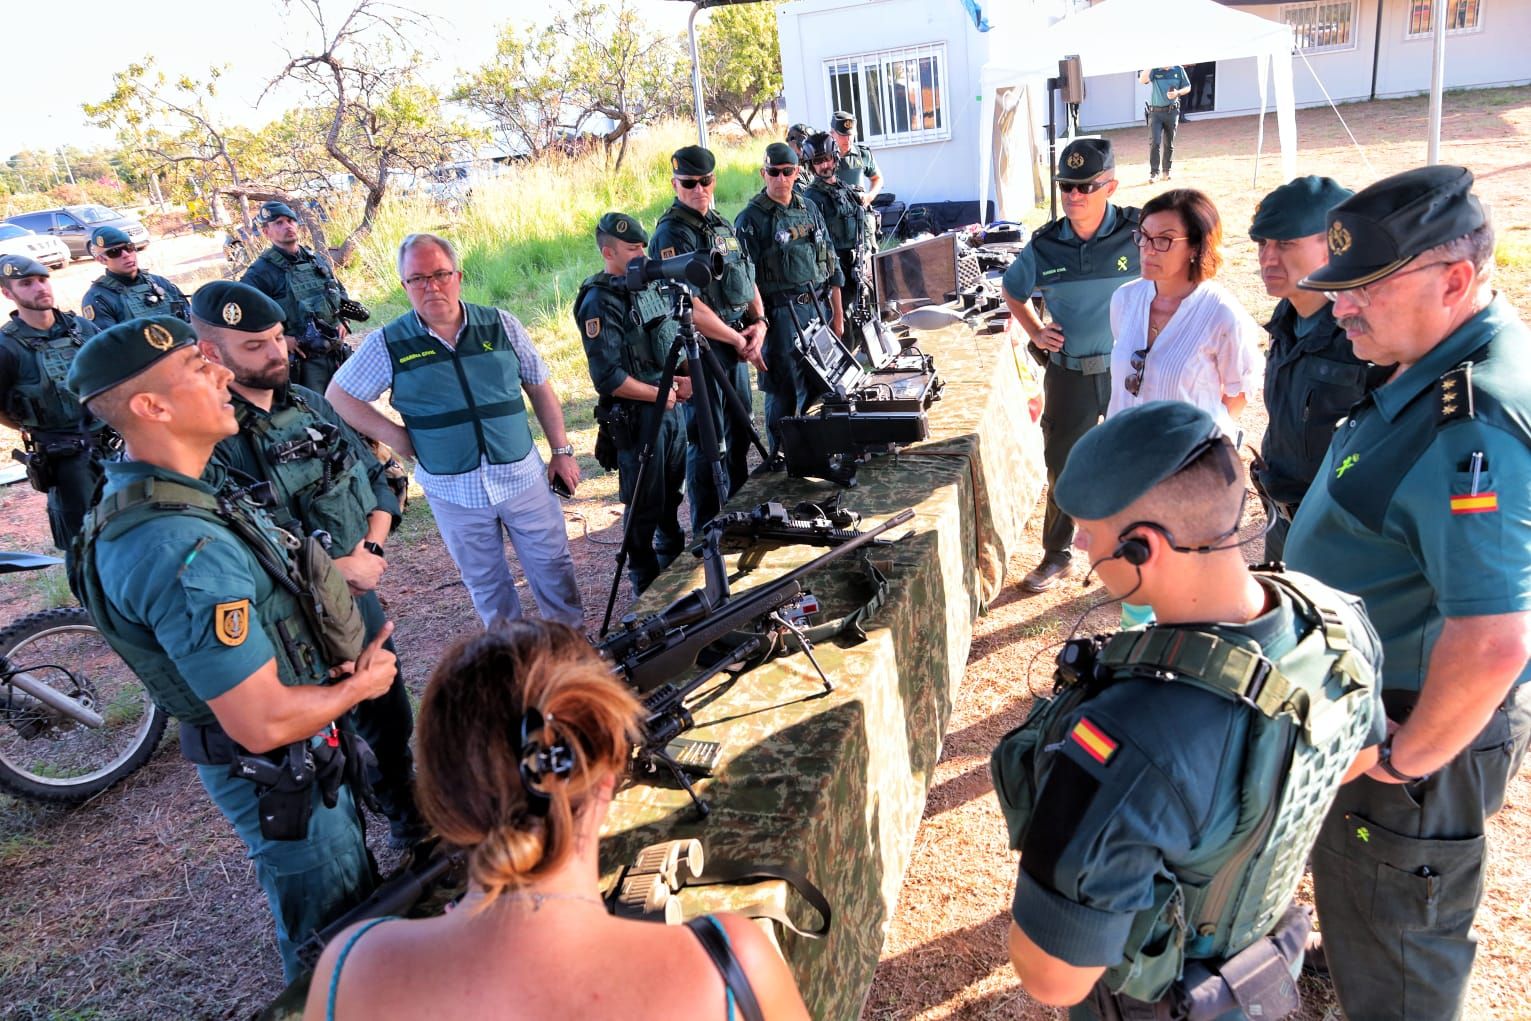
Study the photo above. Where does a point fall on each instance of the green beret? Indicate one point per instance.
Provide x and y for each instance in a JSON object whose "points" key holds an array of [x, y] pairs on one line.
{"points": [[275, 210], [14, 267], [780, 154], [117, 355], [798, 132], [842, 121], [1085, 158], [236, 306], [1381, 227], [623, 228], [108, 237], [692, 161], [1297, 209], [1130, 453]]}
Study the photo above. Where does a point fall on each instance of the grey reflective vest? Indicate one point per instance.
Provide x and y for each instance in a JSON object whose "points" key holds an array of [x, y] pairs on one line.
{"points": [[461, 405], [796, 255], [843, 213], [39, 400], [645, 322], [1311, 713], [730, 294], [145, 296], [299, 657]]}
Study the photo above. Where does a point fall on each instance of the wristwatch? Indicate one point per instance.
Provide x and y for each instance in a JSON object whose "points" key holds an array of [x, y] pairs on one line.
{"points": [[567, 450], [375, 548], [1385, 760]]}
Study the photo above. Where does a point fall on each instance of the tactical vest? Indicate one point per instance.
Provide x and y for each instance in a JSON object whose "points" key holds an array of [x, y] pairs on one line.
{"points": [[461, 405], [311, 283], [298, 656], [39, 400], [647, 327], [1312, 712], [846, 217], [145, 296], [730, 294], [797, 255], [320, 484]]}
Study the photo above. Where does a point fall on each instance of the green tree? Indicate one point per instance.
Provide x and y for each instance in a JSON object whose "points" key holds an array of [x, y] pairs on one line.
{"points": [[741, 64], [526, 88]]}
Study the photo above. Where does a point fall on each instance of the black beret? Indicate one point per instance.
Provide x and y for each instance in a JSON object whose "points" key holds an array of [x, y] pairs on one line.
{"points": [[1130, 453], [14, 267], [780, 154], [623, 228], [1381, 227], [235, 306], [1297, 209], [842, 121], [692, 161], [1084, 158], [273, 210], [117, 355]]}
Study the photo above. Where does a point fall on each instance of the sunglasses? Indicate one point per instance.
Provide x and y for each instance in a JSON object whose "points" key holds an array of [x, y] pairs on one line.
{"points": [[1082, 187], [116, 252], [692, 182], [780, 171], [1162, 243], [1133, 383]]}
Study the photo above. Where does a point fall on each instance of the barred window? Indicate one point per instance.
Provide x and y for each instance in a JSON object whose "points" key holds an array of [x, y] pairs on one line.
{"points": [[1461, 16], [898, 96], [1322, 27]]}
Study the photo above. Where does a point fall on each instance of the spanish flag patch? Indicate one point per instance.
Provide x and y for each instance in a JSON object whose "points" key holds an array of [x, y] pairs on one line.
{"points": [[1475, 503], [1093, 740]]}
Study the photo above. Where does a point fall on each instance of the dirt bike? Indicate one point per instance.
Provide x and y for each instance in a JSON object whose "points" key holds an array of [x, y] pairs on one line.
{"points": [[74, 719]]}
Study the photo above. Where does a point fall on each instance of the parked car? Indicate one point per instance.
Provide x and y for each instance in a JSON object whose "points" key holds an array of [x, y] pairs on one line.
{"points": [[17, 240], [73, 225]]}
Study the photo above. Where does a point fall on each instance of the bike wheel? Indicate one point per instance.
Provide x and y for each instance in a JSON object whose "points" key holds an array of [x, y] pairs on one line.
{"points": [[47, 756]]}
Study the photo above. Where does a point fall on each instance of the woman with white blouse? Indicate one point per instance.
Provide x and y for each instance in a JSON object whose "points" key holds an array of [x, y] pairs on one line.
{"points": [[1179, 334]]}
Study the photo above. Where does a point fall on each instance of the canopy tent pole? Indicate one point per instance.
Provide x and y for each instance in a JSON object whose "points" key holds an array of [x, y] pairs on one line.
{"points": [[1437, 81], [696, 78], [1262, 75]]}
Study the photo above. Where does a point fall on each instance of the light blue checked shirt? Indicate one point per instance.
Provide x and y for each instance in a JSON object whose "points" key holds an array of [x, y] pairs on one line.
{"points": [[369, 372]]}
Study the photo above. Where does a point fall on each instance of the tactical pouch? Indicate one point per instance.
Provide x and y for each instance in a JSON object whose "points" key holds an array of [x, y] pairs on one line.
{"points": [[286, 805], [1256, 982], [327, 602], [1013, 764], [38, 475]]}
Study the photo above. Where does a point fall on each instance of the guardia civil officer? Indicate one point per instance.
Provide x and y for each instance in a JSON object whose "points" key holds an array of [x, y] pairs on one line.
{"points": [[627, 336], [797, 134], [729, 313], [798, 277], [1164, 799], [1167, 85], [1311, 376], [857, 167], [1077, 262], [304, 283], [205, 598], [325, 481], [37, 343], [848, 221], [124, 291], [1421, 508]]}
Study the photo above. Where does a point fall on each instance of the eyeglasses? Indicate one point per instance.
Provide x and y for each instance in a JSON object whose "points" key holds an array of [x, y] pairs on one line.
{"points": [[1162, 243], [1082, 187], [1133, 383], [780, 171], [440, 278], [692, 182], [1362, 296], [116, 252]]}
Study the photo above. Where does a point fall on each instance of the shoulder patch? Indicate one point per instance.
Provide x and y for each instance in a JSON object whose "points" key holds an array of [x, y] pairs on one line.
{"points": [[231, 622], [593, 327], [89, 312], [667, 253], [1097, 744]]}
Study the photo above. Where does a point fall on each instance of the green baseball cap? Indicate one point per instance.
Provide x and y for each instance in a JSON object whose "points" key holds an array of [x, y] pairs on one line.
{"points": [[842, 121], [14, 267], [275, 210], [1085, 158], [108, 237], [1130, 453], [1297, 209], [692, 161], [117, 355], [623, 228], [235, 306], [780, 154]]}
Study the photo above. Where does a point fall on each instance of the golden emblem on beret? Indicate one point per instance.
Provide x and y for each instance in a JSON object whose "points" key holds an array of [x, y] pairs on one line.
{"points": [[10, 269], [621, 226], [1075, 161], [232, 313], [157, 337], [1339, 238]]}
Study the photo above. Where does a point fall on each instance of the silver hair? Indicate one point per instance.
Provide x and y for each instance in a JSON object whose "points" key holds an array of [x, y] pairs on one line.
{"points": [[414, 240], [1476, 247]]}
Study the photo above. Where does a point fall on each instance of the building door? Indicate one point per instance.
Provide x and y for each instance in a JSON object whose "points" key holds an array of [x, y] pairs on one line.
{"points": [[1203, 95]]}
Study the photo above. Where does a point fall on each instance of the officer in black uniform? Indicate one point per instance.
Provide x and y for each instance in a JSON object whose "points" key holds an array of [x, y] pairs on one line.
{"points": [[797, 134], [1311, 376], [729, 313], [37, 343], [1165, 797], [847, 218], [303, 282], [323, 480], [627, 338], [798, 276], [124, 292]]}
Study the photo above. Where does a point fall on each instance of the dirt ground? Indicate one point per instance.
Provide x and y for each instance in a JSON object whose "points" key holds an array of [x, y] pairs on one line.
{"points": [[140, 904]]}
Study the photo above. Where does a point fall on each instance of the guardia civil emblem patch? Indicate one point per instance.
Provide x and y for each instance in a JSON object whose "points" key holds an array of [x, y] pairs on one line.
{"points": [[231, 622], [232, 313], [1075, 161], [89, 311], [592, 328], [1339, 238], [157, 337]]}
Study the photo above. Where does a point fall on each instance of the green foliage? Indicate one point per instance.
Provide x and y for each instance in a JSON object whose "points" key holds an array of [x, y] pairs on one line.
{"points": [[741, 65], [524, 88]]}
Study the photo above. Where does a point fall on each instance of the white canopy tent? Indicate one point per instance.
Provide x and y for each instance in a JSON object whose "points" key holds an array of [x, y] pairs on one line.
{"points": [[1127, 35]]}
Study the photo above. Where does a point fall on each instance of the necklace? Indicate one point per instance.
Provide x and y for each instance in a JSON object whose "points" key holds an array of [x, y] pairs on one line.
{"points": [[537, 899]]}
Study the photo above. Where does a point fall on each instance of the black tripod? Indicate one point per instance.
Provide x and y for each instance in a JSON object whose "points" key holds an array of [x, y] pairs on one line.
{"points": [[704, 369]]}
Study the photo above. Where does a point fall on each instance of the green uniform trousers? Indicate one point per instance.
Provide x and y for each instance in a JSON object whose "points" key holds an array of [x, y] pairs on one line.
{"points": [[786, 392], [1398, 875], [74, 479], [706, 501], [654, 534], [1072, 405]]}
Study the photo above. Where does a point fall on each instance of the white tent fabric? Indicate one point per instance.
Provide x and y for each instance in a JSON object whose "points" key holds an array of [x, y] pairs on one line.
{"points": [[1124, 35]]}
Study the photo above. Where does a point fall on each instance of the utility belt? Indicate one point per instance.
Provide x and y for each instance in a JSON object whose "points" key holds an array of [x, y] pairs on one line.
{"points": [[1257, 981], [1160, 109], [619, 427], [44, 452], [284, 777], [1092, 365], [791, 298]]}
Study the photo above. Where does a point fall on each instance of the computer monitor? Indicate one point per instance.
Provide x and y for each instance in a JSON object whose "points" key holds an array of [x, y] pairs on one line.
{"points": [[918, 272]]}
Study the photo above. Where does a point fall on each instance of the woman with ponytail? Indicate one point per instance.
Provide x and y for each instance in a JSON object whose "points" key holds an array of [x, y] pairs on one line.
{"points": [[523, 736]]}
